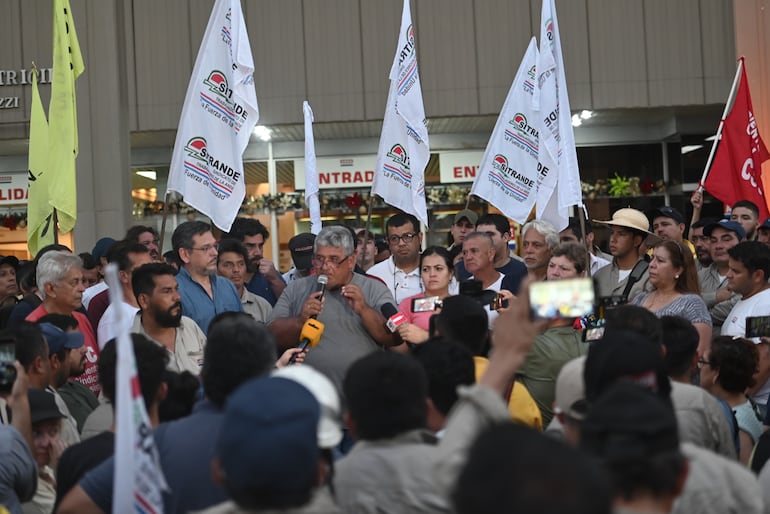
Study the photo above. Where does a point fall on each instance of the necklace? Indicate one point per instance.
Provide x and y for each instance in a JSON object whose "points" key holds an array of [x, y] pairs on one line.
{"points": [[658, 300]]}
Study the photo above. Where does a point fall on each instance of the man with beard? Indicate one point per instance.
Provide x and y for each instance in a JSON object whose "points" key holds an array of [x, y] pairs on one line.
{"points": [[61, 345], [262, 278], [160, 317], [147, 237], [204, 294], [79, 401]]}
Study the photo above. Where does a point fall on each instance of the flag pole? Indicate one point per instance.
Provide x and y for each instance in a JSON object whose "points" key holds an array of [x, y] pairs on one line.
{"points": [[163, 223], [369, 218], [586, 243], [728, 107]]}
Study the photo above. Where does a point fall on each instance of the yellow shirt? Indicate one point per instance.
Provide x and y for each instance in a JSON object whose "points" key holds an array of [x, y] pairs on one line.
{"points": [[522, 407]]}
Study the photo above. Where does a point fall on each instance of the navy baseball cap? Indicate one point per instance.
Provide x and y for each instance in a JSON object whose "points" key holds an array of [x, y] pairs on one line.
{"points": [[731, 225], [269, 437], [766, 224], [666, 212], [101, 247], [58, 339]]}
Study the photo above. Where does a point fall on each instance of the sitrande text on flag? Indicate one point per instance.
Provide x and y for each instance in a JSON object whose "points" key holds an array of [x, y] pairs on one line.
{"points": [[404, 149], [218, 116], [508, 174], [559, 172]]}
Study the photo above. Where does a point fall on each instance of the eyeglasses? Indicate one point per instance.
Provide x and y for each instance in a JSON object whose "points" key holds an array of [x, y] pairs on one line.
{"points": [[333, 261], [204, 248], [703, 362], [407, 238]]}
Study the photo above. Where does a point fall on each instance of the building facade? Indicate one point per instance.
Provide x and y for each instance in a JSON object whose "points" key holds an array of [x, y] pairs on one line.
{"points": [[654, 75]]}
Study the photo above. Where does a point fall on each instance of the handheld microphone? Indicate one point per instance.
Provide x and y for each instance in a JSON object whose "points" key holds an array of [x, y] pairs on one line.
{"points": [[320, 286], [309, 336], [393, 316]]}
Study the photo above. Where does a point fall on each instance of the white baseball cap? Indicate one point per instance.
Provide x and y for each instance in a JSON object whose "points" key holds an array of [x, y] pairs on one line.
{"points": [[330, 422]]}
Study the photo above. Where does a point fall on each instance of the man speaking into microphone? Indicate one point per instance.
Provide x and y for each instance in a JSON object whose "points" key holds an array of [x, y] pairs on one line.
{"points": [[349, 308]]}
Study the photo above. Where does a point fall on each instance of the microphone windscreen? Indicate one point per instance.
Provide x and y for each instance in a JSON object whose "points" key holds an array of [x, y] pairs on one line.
{"points": [[388, 310]]}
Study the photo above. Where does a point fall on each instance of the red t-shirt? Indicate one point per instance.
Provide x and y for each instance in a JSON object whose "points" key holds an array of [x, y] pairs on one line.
{"points": [[90, 378]]}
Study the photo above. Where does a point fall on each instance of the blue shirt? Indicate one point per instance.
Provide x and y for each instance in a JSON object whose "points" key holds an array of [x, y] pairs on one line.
{"points": [[514, 272], [199, 306], [261, 287], [185, 447]]}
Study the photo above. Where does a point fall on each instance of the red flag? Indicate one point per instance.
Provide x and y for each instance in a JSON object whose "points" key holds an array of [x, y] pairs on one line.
{"points": [[736, 172]]}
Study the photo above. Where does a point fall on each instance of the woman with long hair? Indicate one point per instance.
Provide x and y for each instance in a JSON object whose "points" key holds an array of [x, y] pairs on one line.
{"points": [[436, 272], [675, 292]]}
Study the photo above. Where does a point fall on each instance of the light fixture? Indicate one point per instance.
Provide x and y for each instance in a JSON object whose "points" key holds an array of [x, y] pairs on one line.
{"points": [[690, 148], [263, 133], [150, 174], [576, 121], [586, 115]]}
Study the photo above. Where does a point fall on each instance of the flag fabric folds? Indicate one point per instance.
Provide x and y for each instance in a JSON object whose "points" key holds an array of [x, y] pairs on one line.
{"points": [[138, 482], [53, 145], [311, 172], [736, 171], [404, 150], [40, 231], [507, 176], [559, 186], [219, 113]]}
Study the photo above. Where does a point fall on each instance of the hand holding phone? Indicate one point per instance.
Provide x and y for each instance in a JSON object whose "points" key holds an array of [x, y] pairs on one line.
{"points": [[569, 298]]}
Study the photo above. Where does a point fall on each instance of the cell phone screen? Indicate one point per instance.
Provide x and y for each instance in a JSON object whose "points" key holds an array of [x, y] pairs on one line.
{"points": [[758, 326], [7, 352], [427, 304], [570, 298]]}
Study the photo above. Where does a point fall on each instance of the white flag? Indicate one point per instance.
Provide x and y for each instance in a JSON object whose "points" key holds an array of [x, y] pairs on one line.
{"points": [[404, 151], [560, 176], [507, 176], [218, 116], [138, 482], [311, 172]]}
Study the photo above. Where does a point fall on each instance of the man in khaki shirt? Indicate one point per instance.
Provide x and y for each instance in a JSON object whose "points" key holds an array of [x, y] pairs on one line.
{"points": [[160, 317]]}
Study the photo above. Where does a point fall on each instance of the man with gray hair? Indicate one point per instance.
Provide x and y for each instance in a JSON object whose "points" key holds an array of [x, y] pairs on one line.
{"points": [[538, 239], [349, 308], [60, 283]]}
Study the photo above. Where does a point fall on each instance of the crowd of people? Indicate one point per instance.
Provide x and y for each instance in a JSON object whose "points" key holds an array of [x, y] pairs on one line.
{"points": [[423, 382]]}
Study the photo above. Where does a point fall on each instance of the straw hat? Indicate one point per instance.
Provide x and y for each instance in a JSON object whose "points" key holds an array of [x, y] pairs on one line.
{"points": [[629, 218]]}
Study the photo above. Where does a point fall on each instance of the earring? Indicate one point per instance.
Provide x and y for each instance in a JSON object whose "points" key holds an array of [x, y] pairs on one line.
{"points": [[676, 277]]}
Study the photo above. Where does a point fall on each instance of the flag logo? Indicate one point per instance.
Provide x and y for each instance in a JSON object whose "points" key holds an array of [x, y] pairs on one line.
{"points": [[227, 37], [549, 30], [522, 134], [399, 167], [218, 101], [204, 168], [511, 182]]}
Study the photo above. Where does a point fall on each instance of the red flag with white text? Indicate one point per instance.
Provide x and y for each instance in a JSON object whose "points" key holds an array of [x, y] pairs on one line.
{"points": [[736, 171]]}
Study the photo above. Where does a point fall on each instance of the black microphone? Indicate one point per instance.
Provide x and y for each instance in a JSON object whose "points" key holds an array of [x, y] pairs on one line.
{"points": [[320, 287], [393, 316]]}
